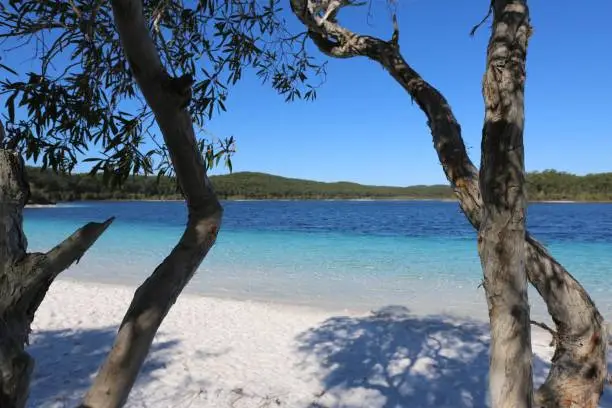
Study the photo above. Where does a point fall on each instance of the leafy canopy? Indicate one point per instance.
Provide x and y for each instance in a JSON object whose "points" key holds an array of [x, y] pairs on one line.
{"points": [[81, 97]]}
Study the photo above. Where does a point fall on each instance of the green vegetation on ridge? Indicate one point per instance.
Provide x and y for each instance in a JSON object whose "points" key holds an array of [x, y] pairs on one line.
{"points": [[48, 186]]}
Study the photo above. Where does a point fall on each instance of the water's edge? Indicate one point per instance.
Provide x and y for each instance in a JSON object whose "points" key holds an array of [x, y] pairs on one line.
{"points": [[335, 255]]}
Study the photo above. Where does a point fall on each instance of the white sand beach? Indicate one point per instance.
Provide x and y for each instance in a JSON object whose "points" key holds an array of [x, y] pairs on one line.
{"points": [[225, 353]]}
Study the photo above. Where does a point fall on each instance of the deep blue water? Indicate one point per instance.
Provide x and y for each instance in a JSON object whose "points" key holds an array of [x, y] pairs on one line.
{"points": [[353, 254]]}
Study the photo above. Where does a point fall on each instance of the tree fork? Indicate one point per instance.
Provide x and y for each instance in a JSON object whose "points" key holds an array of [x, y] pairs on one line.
{"points": [[167, 97], [25, 278]]}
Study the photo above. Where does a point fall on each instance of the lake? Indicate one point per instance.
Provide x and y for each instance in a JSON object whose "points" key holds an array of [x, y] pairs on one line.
{"points": [[352, 255]]}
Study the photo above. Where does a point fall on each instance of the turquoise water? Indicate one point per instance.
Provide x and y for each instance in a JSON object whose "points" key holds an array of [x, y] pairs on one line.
{"points": [[340, 254]]}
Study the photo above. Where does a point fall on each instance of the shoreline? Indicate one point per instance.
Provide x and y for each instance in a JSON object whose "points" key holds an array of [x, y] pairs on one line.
{"points": [[192, 293], [407, 199], [41, 205], [215, 353]]}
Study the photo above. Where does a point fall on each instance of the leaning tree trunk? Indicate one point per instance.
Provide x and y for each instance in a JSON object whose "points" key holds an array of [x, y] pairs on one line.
{"points": [[502, 186], [578, 370], [25, 278], [168, 98]]}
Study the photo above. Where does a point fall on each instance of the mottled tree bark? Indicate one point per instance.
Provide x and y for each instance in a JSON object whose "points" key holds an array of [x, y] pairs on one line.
{"points": [[25, 277], [167, 98], [502, 186], [578, 368]]}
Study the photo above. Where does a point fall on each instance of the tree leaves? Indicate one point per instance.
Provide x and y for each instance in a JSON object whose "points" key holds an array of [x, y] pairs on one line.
{"points": [[81, 97]]}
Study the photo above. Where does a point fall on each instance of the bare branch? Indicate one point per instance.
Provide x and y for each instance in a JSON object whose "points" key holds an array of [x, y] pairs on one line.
{"points": [[553, 333], [395, 36], [477, 26], [74, 247], [336, 41], [75, 9], [328, 47]]}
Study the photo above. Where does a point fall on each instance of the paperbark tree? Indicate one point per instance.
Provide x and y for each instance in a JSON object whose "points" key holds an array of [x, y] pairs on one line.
{"points": [[168, 98], [75, 100], [578, 369], [502, 186], [25, 277]]}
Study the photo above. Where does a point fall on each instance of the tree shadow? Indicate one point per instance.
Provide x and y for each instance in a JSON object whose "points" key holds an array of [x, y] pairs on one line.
{"points": [[606, 398], [66, 360], [393, 359]]}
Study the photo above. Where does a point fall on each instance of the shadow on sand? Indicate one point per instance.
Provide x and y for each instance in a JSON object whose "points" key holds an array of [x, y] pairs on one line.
{"points": [[390, 359], [66, 360], [393, 359]]}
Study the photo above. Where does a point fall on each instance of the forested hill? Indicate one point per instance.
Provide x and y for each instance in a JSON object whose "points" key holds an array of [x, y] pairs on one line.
{"points": [[47, 186]]}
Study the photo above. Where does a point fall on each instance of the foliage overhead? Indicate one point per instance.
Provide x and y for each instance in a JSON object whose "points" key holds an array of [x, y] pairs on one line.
{"points": [[82, 96], [47, 187]]}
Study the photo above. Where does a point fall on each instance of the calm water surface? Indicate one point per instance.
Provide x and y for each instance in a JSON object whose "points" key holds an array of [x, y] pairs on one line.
{"points": [[340, 254]]}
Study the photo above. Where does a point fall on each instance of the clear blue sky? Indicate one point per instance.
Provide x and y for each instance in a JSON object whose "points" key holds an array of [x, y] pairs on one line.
{"points": [[363, 127]]}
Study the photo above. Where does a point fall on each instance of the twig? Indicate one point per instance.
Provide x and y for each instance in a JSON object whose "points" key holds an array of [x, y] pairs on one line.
{"points": [[239, 392], [75, 9], [548, 329], [395, 36], [477, 26]]}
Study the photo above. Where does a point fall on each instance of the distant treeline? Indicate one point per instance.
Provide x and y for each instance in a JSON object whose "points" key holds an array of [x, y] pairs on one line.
{"points": [[49, 187]]}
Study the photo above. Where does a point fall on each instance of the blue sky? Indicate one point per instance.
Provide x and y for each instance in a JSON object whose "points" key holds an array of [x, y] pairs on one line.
{"points": [[363, 127]]}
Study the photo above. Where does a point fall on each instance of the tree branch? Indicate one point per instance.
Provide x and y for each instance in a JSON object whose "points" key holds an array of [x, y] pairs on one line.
{"points": [[331, 38], [328, 47], [395, 36], [549, 329], [477, 26], [40, 270], [74, 247]]}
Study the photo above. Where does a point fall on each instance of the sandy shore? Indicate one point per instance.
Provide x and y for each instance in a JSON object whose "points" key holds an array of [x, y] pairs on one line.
{"points": [[40, 206], [226, 353]]}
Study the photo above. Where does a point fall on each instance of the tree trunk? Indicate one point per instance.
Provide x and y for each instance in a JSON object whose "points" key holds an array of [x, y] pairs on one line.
{"points": [[167, 98], [502, 185], [25, 278], [579, 365]]}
